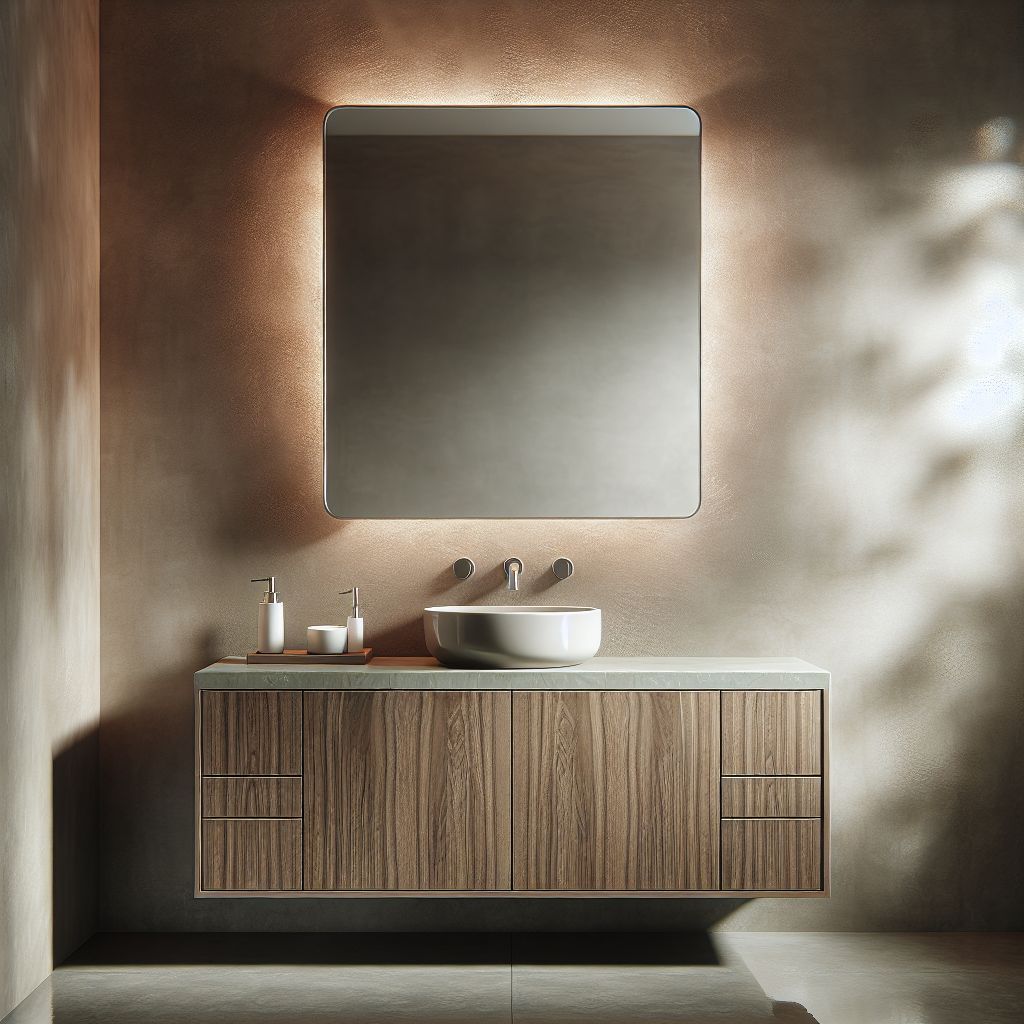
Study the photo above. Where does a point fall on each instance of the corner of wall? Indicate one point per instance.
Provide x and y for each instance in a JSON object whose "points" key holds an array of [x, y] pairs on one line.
{"points": [[49, 485]]}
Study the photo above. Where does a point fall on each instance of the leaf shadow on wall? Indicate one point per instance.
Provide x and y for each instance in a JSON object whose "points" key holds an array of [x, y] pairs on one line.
{"points": [[960, 830], [863, 369]]}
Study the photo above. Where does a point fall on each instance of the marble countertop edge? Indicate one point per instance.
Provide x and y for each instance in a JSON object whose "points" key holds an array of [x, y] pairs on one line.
{"points": [[668, 673]]}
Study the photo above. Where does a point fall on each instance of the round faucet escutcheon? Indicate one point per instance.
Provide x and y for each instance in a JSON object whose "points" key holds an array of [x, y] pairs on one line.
{"points": [[463, 568], [563, 568]]}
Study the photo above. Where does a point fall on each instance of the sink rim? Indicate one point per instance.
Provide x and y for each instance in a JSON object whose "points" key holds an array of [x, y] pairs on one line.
{"points": [[511, 609]]}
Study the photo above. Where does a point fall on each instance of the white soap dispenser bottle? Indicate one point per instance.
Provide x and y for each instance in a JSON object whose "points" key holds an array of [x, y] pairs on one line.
{"points": [[270, 625], [354, 644]]}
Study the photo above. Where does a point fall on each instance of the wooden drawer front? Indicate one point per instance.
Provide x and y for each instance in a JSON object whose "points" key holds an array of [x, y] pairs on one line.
{"points": [[252, 854], [770, 854], [252, 797], [252, 732], [768, 797], [771, 732]]}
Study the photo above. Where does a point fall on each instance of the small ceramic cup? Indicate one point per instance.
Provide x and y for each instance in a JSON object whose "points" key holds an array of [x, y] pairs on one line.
{"points": [[326, 639]]}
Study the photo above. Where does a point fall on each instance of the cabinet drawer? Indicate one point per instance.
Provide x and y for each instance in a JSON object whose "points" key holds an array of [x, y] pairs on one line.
{"points": [[252, 797], [252, 732], [252, 854], [771, 732], [767, 796], [769, 854]]}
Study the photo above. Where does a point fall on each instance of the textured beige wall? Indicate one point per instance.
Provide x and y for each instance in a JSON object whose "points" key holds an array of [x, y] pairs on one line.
{"points": [[49, 484], [863, 309]]}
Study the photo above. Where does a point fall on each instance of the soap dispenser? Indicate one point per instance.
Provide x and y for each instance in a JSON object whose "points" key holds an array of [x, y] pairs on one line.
{"points": [[355, 623], [270, 626]]}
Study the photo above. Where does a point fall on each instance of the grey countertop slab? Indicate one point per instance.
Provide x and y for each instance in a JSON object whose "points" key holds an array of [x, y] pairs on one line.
{"points": [[596, 674]]}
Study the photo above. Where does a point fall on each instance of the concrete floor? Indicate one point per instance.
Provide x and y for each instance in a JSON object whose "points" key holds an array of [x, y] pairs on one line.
{"points": [[737, 978]]}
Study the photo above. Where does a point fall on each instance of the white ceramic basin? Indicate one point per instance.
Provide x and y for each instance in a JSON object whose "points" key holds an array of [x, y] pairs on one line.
{"points": [[512, 636]]}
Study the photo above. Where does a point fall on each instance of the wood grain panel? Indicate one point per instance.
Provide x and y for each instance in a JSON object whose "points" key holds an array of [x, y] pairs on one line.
{"points": [[769, 796], [775, 854], [771, 732], [252, 797], [826, 815], [252, 732], [616, 790], [407, 790], [252, 854]]}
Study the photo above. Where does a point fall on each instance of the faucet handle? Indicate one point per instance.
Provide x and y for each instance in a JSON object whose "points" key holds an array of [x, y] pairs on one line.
{"points": [[563, 568], [463, 568]]}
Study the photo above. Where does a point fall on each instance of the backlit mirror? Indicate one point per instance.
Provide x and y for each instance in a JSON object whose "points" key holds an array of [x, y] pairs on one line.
{"points": [[511, 312]]}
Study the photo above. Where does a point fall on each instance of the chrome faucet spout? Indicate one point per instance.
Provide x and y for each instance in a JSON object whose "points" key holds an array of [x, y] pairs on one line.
{"points": [[513, 568]]}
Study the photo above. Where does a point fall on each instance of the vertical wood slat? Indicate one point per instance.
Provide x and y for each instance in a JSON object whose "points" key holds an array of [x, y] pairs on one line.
{"points": [[771, 854], [771, 732], [407, 790], [768, 796], [616, 790], [252, 732], [826, 814], [251, 854], [252, 796]]}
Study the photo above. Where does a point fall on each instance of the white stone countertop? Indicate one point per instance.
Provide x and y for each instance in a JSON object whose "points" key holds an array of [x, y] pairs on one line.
{"points": [[597, 674]]}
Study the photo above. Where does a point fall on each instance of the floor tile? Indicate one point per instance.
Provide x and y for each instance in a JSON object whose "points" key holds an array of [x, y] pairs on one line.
{"points": [[615, 979], [725, 978], [873, 978]]}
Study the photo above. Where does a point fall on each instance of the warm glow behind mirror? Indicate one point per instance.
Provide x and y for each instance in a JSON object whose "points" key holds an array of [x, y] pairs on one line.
{"points": [[512, 312]]}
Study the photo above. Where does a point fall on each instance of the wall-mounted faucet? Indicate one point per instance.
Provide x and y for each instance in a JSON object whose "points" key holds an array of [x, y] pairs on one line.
{"points": [[463, 568], [513, 567]]}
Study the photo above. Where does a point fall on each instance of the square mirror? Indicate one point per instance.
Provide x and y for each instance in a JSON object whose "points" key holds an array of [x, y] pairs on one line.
{"points": [[511, 312]]}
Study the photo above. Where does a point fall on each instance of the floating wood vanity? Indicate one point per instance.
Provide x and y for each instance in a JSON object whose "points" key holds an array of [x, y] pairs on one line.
{"points": [[656, 777]]}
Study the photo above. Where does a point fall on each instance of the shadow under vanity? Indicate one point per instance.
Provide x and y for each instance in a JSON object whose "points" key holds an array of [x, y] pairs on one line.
{"points": [[653, 777]]}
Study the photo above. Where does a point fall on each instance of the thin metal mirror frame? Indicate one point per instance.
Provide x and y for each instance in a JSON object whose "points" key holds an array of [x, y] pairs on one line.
{"points": [[519, 120]]}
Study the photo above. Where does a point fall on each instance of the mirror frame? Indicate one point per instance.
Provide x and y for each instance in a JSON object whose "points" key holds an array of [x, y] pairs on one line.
{"points": [[498, 119]]}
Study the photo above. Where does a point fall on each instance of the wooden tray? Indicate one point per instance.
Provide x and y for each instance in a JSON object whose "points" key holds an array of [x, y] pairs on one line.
{"points": [[305, 658]]}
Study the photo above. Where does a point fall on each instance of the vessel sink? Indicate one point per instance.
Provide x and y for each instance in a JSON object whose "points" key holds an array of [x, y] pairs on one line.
{"points": [[512, 636]]}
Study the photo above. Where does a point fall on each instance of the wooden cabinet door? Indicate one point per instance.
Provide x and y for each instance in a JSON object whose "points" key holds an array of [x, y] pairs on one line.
{"points": [[406, 790], [616, 790]]}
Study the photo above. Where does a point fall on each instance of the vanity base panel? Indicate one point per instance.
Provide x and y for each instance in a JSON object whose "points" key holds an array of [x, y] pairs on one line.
{"points": [[518, 894]]}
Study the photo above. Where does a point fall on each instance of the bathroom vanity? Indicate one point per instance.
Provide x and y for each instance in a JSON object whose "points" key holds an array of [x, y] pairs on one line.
{"points": [[640, 777]]}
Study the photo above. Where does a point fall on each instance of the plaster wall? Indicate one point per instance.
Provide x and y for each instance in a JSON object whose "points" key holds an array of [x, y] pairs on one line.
{"points": [[863, 308], [49, 484]]}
